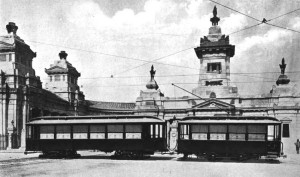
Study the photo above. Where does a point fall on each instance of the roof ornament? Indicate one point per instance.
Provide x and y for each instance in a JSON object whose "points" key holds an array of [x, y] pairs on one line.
{"points": [[11, 27], [152, 83], [282, 66], [214, 20], [282, 79], [63, 55]]}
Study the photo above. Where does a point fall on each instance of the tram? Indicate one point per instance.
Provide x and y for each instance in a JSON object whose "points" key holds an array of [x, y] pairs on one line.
{"points": [[128, 135], [240, 137]]}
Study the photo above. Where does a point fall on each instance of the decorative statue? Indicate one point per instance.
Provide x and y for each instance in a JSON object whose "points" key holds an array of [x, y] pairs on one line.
{"points": [[282, 66], [214, 20], [215, 11], [152, 72]]}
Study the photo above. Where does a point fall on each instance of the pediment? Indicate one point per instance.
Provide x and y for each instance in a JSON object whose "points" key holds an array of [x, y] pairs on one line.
{"points": [[286, 120], [213, 104], [56, 69]]}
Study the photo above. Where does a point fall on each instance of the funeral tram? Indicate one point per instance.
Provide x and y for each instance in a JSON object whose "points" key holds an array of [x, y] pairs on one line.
{"points": [[241, 137], [130, 135]]}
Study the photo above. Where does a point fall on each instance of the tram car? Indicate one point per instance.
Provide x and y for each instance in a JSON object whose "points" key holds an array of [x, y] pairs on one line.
{"points": [[129, 135], [240, 137]]}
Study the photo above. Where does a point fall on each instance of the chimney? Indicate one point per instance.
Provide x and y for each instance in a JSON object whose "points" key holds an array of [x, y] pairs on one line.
{"points": [[11, 28], [63, 55]]}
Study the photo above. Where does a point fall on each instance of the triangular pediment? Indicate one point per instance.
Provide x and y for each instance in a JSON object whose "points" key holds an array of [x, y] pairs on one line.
{"points": [[57, 69], [213, 104]]}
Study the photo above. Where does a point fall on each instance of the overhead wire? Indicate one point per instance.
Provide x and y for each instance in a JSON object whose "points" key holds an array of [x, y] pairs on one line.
{"points": [[235, 11], [112, 55], [283, 27], [153, 60], [283, 15]]}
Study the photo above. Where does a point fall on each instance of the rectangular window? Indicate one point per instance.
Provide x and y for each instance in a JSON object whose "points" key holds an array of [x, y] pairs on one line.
{"points": [[285, 130], [2, 57], [47, 132], [199, 132], [214, 67], [256, 132], [184, 132], [97, 132], [133, 131], [80, 132], [218, 132], [50, 78], [57, 78], [64, 77], [237, 132], [63, 132], [115, 131], [29, 132], [9, 57], [271, 132]]}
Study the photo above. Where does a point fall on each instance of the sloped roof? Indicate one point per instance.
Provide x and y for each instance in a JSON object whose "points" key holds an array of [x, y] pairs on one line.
{"points": [[111, 105]]}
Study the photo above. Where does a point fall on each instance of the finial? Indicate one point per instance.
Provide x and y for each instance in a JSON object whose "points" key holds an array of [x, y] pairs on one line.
{"points": [[152, 83], [215, 12], [214, 20], [282, 66], [282, 79], [63, 55], [12, 27], [152, 72]]}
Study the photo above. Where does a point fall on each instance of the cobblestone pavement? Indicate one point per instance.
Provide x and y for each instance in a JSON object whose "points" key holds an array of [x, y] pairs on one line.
{"points": [[101, 164]]}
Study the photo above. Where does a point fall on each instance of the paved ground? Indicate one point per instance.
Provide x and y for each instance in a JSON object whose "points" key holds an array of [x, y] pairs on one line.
{"points": [[100, 164]]}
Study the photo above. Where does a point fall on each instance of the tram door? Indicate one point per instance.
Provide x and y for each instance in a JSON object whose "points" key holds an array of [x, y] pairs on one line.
{"points": [[173, 135]]}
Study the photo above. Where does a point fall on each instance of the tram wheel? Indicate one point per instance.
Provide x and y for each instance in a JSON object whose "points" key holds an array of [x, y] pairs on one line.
{"points": [[185, 155], [212, 157]]}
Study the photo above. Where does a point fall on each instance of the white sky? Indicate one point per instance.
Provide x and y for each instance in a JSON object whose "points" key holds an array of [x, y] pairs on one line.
{"points": [[148, 30]]}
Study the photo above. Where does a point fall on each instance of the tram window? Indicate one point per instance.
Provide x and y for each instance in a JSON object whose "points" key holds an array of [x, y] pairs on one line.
{"points": [[199, 132], [270, 132], [29, 132], [237, 132], [47, 132], [156, 131], [256, 132], [160, 131], [63, 132], [115, 131], [286, 131], [184, 132], [97, 132], [80, 131], [133, 131], [218, 132], [276, 133]]}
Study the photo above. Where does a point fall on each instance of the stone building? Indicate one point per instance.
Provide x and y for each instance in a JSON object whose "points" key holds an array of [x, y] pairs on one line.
{"points": [[215, 95], [22, 95], [24, 98]]}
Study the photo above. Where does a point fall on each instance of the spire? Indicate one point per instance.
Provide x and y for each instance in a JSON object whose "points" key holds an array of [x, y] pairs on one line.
{"points": [[214, 20], [152, 83], [63, 55]]}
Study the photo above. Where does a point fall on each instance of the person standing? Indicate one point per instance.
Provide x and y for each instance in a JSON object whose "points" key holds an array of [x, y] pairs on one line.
{"points": [[297, 144]]}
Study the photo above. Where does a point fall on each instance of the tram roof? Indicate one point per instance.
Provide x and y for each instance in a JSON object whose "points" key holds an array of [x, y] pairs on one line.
{"points": [[95, 119], [231, 119]]}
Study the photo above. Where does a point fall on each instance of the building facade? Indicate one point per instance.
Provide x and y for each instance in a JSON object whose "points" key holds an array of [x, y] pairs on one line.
{"points": [[22, 95], [24, 98]]}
